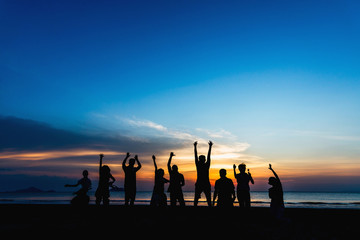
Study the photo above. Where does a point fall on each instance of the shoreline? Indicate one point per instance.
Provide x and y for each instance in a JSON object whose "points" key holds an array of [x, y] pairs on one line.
{"points": [[256, 222]]}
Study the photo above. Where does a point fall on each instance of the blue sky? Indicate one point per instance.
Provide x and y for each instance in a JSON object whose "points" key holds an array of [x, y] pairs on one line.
{"points": [[279, 77]]}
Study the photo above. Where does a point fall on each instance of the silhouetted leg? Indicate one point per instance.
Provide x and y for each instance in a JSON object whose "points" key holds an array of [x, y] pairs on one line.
{"points": [[247, 200], [126, 198], [208, 197], [197, 195], [181, 199], [172, 199], [98, 197]]}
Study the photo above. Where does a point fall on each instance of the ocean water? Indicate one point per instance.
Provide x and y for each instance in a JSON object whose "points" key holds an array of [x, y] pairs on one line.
{"points": [[258, 199]]}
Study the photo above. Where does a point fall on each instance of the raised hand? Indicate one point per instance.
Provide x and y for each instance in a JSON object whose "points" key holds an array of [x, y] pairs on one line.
{"points": [[172, 154], [210, 143], [153, 157], [136, 157], [270, 166], [195, 143], [127, 154], [234, 166], [101, 155]]}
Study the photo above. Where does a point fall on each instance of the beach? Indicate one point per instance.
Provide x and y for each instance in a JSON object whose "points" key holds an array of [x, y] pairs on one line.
{"points": [[144, 221]]}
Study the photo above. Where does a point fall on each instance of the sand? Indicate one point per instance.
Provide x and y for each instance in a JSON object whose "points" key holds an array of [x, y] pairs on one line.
{"points": [[120, 222]]}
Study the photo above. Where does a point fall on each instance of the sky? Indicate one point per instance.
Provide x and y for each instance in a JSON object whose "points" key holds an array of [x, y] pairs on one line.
{"points": [[267, 81]]}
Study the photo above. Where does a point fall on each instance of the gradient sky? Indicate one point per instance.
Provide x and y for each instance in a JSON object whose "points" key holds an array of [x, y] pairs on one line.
{"points": [[267, 81]]}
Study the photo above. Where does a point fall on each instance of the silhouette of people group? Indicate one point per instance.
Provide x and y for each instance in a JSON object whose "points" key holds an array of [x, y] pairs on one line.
{"points": [[224, 187]]}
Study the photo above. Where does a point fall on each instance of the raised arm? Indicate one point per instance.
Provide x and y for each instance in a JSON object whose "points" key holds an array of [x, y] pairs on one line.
{"points": [[124, 161], [195, 152], [169, 162], [153, 158], [138, 163], [276, 176], [234, 167], [251, 179], [100, 165], [209, 153]]}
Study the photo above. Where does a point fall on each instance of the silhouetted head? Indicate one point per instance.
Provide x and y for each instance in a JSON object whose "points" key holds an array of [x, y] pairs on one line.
{"points": [[202, 159], [132, 161], [273, 181], [175, 168], [160, 172], [85, 173], [105, 169], [222, 173], [242, 167]]}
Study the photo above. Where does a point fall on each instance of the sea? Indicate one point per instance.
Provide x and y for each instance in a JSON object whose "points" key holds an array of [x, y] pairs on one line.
{"points": [[339, 200]]}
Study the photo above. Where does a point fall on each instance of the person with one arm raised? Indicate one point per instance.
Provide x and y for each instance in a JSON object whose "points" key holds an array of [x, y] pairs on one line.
{"points": [[177, 181], [276, 195], [158, 197], [102, 192]]}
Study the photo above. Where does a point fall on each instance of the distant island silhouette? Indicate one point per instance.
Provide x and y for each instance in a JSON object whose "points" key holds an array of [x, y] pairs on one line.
{"points": [[30, 190]]}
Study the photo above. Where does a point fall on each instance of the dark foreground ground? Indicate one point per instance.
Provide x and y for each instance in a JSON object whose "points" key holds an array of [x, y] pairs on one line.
{"points": [[120, 222]]}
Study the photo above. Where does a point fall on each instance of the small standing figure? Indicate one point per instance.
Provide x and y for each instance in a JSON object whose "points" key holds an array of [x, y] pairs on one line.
{"points": [[176, 182], [102, 192], [224, 190], [243, 189], [202, 168], [130, 178], [276, 195], [81, 197], [158, 197]]}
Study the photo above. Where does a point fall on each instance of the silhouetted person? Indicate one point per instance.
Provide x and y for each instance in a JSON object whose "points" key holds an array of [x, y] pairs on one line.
{"points": [[243, 189], [176, 182], [81, 197], [202, 168], [158, 197], [224, 191], [130, 178], [102, 192], [277, 196]]}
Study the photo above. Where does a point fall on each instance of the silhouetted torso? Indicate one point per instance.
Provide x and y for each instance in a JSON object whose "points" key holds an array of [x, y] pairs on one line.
{"points": [[243, 180], [202, 173], [176, 179], [159, 183], [225, 188], [130, 176], [277, 196]]}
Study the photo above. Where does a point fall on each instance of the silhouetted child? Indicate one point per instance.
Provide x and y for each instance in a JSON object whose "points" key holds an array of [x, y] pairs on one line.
{"points": [[276, 195], [243, 189], [130, 178], [158, 197], [102, 192], [202, 168], [81, 197], [224, 190], [176, 182]]}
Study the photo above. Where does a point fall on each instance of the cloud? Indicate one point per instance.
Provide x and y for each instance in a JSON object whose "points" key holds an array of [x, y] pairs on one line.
{"points": [[147, 124], [32, 148]]}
